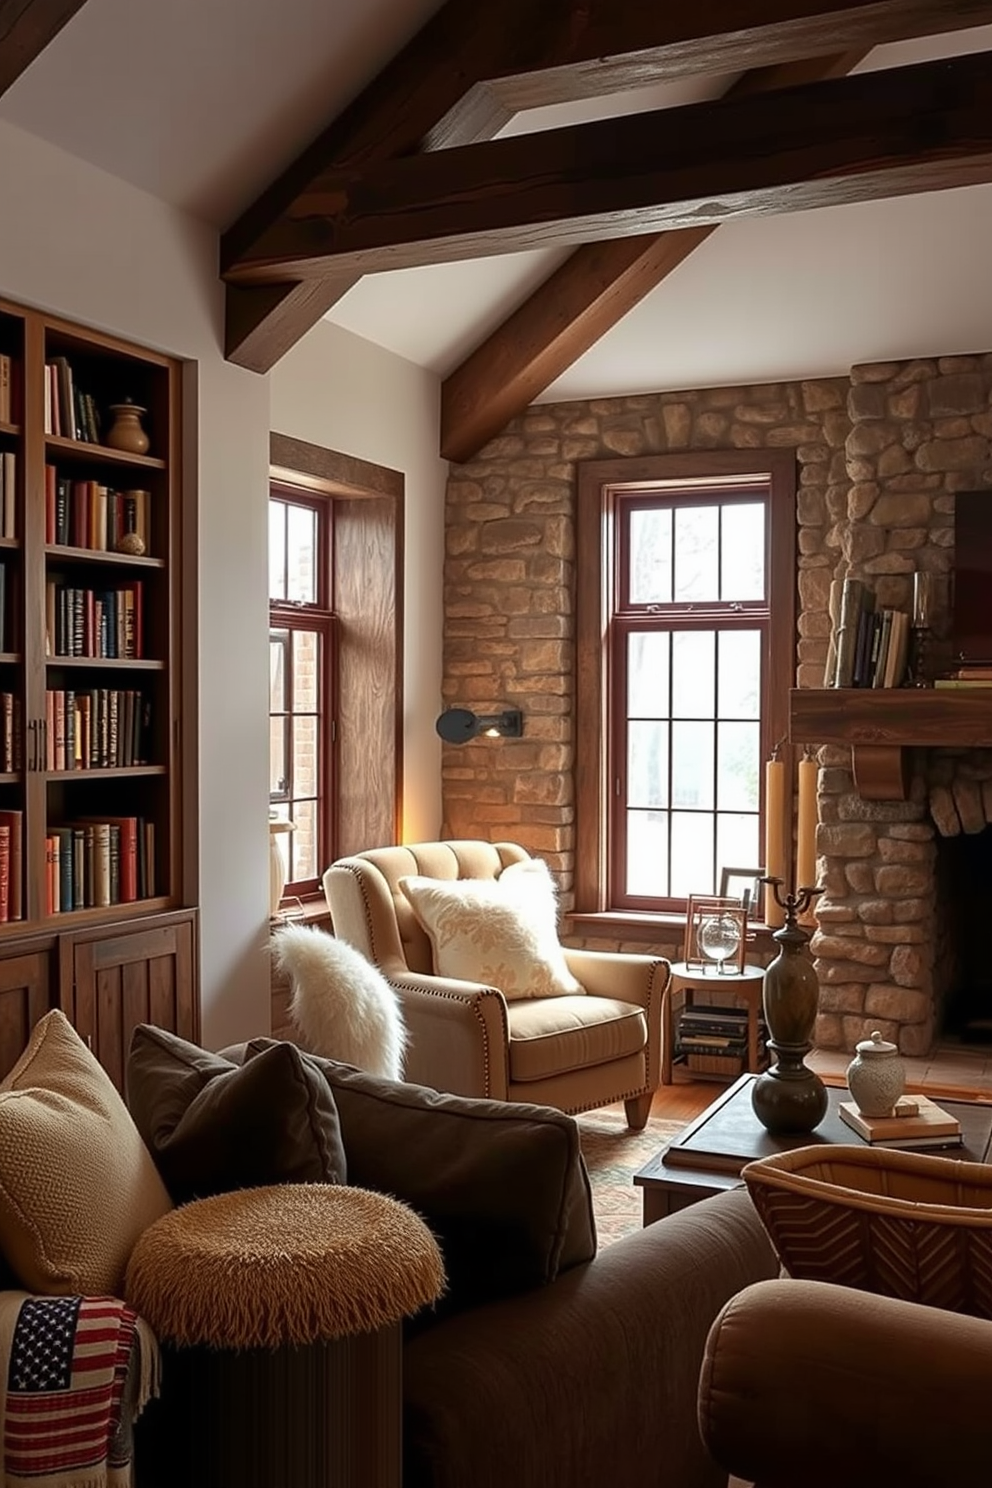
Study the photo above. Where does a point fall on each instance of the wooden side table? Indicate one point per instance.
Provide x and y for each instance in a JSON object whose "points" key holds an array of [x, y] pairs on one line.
{"points": [[747, 984]]}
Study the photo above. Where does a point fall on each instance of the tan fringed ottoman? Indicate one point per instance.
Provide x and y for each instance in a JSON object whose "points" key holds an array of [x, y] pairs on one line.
{"points": [[279, 1313]]}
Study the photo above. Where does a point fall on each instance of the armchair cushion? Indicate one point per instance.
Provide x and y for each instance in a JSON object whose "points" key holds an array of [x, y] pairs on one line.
{"points": [[500, 932], [213, 1126], [553, 1037], [77, 1184], [503, 1186]]}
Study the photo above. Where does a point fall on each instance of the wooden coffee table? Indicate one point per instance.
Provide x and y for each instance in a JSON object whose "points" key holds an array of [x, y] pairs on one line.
{"points": [[708, 1156]]}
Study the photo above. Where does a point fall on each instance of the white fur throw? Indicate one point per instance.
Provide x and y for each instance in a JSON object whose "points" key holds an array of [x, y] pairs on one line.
{"points": [[342, 1005]]}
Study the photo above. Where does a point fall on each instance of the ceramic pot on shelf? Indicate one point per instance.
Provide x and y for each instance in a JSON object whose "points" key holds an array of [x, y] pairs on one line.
{"points": [[278, 866], [876, 1076], [126, 432]]}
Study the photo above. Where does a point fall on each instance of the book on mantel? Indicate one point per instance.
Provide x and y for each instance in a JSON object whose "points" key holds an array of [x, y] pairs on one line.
{"points": [[930, 1126]]}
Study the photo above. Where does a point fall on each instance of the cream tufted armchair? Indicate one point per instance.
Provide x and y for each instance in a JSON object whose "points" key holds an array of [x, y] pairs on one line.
{"points": [[574, 1052]]}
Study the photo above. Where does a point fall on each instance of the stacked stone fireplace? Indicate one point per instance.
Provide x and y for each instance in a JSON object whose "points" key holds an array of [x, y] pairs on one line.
{"points": [[889, 945], [897, 926]]}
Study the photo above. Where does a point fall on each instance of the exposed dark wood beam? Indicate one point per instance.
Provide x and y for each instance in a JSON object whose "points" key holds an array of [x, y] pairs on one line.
{"points": [[582, 300], [470, 67], [26, 28], [880, 134]]}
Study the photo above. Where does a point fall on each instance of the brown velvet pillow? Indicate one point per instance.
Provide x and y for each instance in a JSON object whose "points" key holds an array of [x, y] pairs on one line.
{"points": [[213, 1126], [503, 1186]]}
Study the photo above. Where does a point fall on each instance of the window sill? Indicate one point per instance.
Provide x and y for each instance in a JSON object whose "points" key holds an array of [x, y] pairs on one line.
{"points": [[629, 925], [302, 912]]}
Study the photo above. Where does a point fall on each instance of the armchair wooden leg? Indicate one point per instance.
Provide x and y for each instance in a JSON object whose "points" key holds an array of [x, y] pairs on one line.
{"points": [[638, 1110]]}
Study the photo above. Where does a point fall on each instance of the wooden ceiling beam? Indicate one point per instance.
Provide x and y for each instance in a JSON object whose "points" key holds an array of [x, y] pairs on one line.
{"points": [[26, 28], [470, 67], [584, 298], [878, 134]]}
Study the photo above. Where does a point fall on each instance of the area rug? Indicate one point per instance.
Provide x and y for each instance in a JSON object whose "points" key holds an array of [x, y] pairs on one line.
{"points": [[613, 1154]]}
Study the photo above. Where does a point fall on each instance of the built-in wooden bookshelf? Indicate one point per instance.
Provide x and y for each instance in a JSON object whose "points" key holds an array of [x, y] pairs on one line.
{"points": [[91, 774]]}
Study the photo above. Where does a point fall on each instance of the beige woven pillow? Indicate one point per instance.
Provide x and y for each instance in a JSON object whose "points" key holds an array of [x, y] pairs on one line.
{"points": [[501, 932], [77, 1184]]}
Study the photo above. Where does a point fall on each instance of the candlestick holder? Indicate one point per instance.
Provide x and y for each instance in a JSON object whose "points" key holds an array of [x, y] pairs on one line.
{"points": [[919, 671], [789, 1097]]}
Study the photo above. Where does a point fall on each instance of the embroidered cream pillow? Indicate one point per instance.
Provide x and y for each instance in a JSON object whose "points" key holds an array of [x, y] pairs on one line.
{"points": [[77, 1184], [501, 932]]}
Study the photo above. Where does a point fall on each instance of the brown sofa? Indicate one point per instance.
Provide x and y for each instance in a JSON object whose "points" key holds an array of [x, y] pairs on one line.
{"points": [[546, 1365], [811, 1385]]}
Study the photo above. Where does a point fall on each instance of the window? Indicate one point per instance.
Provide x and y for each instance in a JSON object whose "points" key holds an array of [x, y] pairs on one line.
{"points": [[301, 679], [335, 655], [685, 636]]}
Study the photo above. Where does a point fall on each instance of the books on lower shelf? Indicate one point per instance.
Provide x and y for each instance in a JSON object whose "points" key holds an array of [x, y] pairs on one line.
{"points": [[96, 863], [713, 1040], [931, 1126]]}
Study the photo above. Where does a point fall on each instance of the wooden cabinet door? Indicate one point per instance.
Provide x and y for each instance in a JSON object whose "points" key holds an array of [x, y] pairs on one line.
{"points": [[25, 996], [143, 973]]}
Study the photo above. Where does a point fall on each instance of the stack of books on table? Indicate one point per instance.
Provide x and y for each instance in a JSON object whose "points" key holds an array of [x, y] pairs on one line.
{"points": [[967, 676], [916, 1123], [713, 1040]]}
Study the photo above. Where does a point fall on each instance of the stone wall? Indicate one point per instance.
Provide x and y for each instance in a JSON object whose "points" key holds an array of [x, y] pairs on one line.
{"points": [[920, 431], [879, 456]]}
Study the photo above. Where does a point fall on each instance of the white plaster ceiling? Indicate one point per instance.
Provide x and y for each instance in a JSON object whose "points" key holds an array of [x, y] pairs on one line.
{"points": [[202, 102]]}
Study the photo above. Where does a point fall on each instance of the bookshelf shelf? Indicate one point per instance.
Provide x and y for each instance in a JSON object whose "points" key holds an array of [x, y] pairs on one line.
{"points": [[109, 772], [92, 894], [65, 554], [882, 724], [82, 449]]}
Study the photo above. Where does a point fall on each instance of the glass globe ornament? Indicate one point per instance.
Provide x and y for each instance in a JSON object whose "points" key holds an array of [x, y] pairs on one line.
{"points": [[719, 937]]}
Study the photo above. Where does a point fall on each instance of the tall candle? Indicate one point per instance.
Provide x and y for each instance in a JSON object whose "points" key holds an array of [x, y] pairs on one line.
{"points": [[806, 828], [774, 836]]}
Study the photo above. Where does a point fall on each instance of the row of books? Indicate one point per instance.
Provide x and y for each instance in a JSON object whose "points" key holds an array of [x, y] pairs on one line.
{"points": [[9, 400], [8, 493], [103, 623], [88, 514], [70, 413], [11, 865], [916, 1122], [94, 863], [869, 647], [10, 732], [100, 728]]}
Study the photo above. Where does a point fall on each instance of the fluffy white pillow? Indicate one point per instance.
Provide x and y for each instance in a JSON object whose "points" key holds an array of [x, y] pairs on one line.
{"points": [[501, 932], [341, 1004]]}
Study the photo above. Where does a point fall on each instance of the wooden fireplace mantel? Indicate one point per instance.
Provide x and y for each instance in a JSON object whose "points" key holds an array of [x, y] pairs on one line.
{"points": [[882, 724]]}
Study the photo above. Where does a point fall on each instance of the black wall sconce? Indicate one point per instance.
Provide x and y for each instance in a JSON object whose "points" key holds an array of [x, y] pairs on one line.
{"points": [[458, 725]]}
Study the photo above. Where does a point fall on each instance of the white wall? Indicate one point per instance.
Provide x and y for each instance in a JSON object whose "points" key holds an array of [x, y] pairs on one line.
{"points": [[81, 243], [337, 390]]}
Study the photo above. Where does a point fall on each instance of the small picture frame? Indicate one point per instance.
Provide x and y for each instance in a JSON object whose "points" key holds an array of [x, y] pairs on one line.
{"points": [[743, 885], [700, 909]]}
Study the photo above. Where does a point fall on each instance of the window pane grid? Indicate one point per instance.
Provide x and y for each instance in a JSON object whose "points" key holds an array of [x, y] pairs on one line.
{"points": [[689, 738], [300, 689]]}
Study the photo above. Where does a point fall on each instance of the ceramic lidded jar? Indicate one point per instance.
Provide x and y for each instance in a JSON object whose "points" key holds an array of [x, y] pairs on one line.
{"points": [[876, 1076]]}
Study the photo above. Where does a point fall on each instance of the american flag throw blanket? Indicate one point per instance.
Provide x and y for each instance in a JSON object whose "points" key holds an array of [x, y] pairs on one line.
{"points": [[78, 1370]]}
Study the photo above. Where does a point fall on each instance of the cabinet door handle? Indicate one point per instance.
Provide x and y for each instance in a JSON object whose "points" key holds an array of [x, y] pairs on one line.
{"points": [[32, 744], [43, 747]]}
